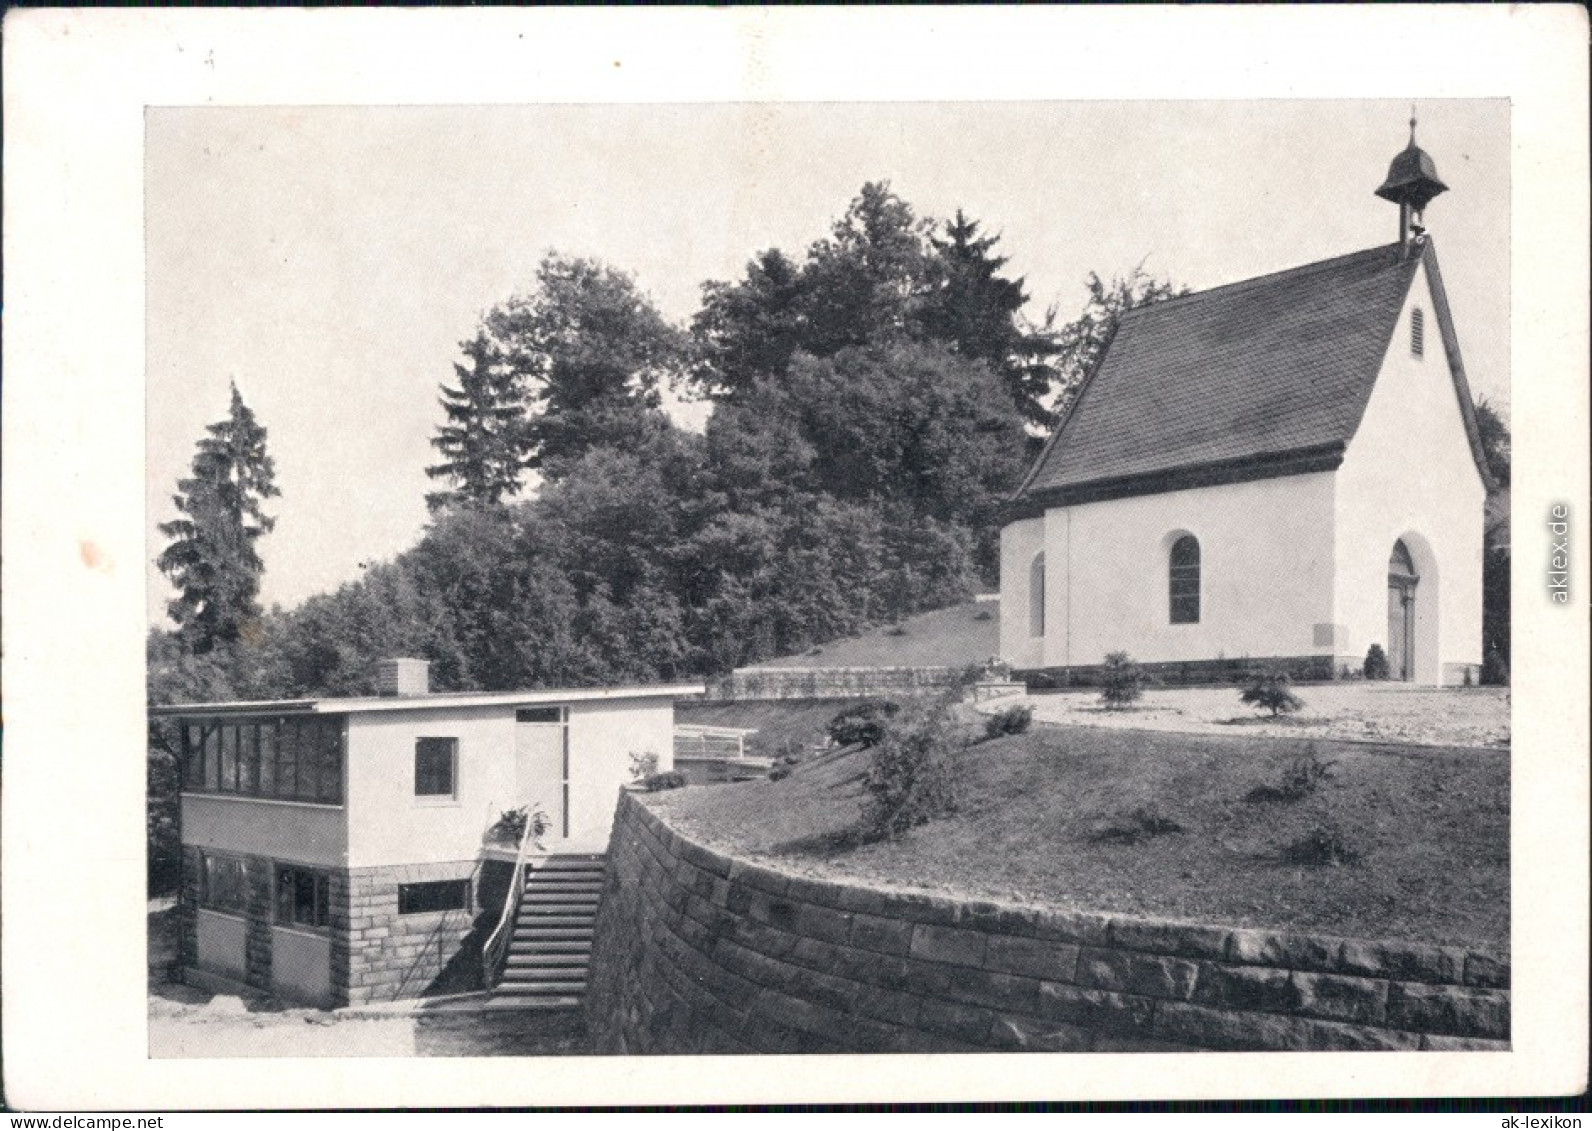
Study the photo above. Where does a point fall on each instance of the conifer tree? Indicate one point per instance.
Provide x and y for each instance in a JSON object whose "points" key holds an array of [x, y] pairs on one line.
{"points": [[212, 560], [485, 442], [978, 312]]}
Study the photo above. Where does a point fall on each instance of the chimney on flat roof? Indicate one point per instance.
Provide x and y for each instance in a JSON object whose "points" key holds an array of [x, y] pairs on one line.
{"points": [[403, 677]]}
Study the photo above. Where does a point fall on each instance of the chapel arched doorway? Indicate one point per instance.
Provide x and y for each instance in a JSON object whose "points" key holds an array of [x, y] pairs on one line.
{"points": [[1402, 586]]}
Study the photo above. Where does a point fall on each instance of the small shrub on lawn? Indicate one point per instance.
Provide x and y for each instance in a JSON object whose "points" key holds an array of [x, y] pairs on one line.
{"points": [[1122, 682], [1009, 720], [643, 765], [1131, 826], [779, 773], [670, 779], [983, 614], [1300, 778], [1376, 666], [912, 778], [1271, 691], [896, 630], [991, 670], [1325, 845], [1494, 669], [789, 752], [864, 724]]}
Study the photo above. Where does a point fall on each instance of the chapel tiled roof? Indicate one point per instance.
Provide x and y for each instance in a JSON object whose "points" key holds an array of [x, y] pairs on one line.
{"points": [[1269, 376]]}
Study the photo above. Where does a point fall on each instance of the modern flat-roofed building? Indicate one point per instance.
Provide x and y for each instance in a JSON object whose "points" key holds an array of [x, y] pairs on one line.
{"points": [[340, 850]]}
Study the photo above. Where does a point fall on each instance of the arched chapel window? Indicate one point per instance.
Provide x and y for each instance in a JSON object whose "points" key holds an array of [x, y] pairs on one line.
{"points": [[1183, 575], [1036, 596]]}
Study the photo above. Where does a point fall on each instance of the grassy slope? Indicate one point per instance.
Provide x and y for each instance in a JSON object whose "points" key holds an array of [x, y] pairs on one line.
{"points": [[775, 720], [954, 637], [1433, 824]]}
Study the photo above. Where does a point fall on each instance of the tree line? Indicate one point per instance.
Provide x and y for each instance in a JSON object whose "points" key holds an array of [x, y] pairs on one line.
{"points": [[872, 401]]}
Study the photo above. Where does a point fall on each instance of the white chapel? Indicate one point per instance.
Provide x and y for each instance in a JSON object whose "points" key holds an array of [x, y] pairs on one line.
{"points": [[1278, 472]]}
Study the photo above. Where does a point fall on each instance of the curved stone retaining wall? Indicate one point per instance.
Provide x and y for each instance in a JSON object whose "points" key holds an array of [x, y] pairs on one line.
{"points": [[698, 952]]}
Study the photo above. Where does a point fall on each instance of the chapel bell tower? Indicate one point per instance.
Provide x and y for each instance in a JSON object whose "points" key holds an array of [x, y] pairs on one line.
{"points": [[1411, 183]]}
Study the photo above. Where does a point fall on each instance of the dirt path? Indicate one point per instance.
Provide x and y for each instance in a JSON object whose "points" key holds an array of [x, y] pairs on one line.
{"points": [[1470, 717]]}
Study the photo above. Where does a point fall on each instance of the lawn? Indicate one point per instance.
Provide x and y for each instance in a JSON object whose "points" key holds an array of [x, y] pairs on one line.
{"points": [[776, 721], [950, 638], [1431, 825]]}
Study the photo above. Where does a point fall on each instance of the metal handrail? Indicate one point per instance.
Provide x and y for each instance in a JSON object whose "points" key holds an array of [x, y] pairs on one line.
{"points": [[497, 943]]}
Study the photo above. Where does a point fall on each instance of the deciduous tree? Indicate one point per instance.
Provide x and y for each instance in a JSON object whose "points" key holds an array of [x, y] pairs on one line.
{"points": [[1079, 343], [591, 351]]}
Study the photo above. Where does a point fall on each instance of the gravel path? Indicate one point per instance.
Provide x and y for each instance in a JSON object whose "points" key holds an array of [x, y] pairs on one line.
{"points": [[1371, 712]]}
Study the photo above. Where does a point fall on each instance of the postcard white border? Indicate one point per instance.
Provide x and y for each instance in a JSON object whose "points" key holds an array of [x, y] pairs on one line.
{"points": [[76, 86]]}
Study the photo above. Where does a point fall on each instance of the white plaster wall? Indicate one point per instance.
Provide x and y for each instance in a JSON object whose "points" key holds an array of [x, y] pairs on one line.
{"points": [[289, 831], [388, 824], [1409, 469], [1266, 559], [602, 736], [222, 939], [1020, 541], [301, 965]]}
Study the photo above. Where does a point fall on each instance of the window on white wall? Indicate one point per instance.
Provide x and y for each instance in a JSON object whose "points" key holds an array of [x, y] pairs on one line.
{"points": [[1183, 576], [302, 897], [223, 884], [1036, 596], [1417, 331], [436, 767]]}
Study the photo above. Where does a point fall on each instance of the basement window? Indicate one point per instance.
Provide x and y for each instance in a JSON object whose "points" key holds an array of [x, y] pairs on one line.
{"points": [[434, 895], [1418, 332]]}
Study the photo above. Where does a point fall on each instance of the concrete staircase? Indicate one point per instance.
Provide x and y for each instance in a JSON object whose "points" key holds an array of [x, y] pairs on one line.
{"points": [[550, 950]]}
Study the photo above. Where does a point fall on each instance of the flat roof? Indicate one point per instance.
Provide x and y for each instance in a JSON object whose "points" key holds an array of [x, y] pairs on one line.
{"points": [[437, 701]]}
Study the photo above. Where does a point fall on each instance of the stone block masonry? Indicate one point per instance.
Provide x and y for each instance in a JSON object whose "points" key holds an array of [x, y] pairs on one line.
{"points": [[700, 952], [380, 955], [834, 683], [375, 953], [1201, 673]]}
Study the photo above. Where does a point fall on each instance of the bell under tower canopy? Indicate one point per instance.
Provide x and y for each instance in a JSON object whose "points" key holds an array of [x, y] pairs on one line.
{"points": [[1412, 177]]}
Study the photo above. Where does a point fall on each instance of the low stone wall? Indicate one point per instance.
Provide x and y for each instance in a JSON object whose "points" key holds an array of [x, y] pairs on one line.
{"points": [[698, 952], [832, 683]]}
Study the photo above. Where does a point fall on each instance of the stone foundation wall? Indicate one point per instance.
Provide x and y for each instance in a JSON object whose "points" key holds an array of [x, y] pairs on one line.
{"points": [[698, 952], [376, 953], [380, 955], [1192, 673]]}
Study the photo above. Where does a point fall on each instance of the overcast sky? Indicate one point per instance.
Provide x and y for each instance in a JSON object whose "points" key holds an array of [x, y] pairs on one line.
{"points": [[330, 260]]}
